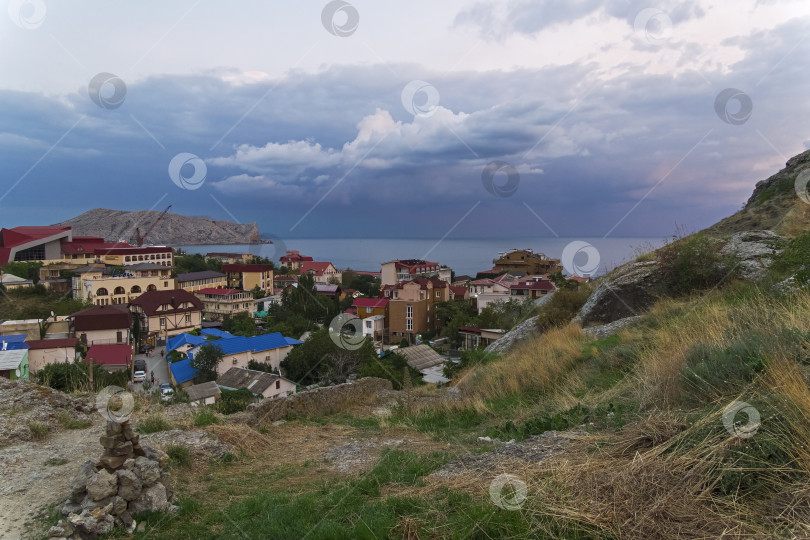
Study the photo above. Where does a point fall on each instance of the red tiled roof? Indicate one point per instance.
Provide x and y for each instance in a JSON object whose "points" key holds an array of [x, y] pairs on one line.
{"points": [[415, 265], [89, 244], [150, 301], [109, 355], [110, 317], [370, 302], [317, 268], [247, 267], [294, 256], [351, 311], [52, 343], [459, 290], [18, 236], [220, 292], [470, 329], [579, 279], [224, 255], [130, 250], [541, 285], [367, 273]]}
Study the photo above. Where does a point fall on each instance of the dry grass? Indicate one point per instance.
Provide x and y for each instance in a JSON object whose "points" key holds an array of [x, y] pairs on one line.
{"points": [[535, 365]]}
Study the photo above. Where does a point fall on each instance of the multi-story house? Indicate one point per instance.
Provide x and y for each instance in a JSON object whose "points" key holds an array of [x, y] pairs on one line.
{"points": [[248, 276], [293, 259], [322, 272], [533, 287], [525, 262], [397, 271], [104, 286], [207, 279], [487, 291], [220, 302], [162, 314], [412, 307], [230, 258], [370, 307], [105, 325]]}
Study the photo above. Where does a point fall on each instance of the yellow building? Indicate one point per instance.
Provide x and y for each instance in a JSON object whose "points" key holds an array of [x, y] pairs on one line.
{"points": [[207, 279], [248, 276], [525, 262], [97, 285], [220, 302]]}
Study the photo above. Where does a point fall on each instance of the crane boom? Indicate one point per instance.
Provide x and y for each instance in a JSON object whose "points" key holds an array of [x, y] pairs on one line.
{"points": [[139, 238]]}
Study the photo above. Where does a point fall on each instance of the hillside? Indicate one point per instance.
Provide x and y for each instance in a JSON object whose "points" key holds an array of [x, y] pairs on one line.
{"points": [[773, 205], [173, 229]]}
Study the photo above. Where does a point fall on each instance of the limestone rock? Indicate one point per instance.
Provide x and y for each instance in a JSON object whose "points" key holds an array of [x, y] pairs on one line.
{"points": [[148, 470], [129, 484], [102, 485], [522, 331], [78, 482], [754, 250], [152, 498], [606, 330]]}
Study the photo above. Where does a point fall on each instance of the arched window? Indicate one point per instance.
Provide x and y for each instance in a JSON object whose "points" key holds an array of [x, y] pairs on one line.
{"points": [[151, 288], [135, 289], [102, 292], [119, 290]]}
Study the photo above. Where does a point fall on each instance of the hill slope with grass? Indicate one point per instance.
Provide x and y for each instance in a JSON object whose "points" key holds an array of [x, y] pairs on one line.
{"points": [[691, 422]]}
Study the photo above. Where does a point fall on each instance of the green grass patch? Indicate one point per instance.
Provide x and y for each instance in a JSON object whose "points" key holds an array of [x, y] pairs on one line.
{"points": [[609, 416], [55, 462], [152, 424], [38, 430], [206, 418], [70, 422], [179, 455]]}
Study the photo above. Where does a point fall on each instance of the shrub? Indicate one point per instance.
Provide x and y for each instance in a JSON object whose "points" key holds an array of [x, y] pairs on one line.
{"points": [[179, 455], [563, 306], [234, 401], [794, 260], [55, 462], [38, 430], [69, 422], [227, 457], [206, 418], [692, 263], [468, 359], [153, 424]]}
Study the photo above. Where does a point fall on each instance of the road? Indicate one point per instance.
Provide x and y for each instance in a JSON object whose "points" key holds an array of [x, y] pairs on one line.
{"points": [[154, 363]]}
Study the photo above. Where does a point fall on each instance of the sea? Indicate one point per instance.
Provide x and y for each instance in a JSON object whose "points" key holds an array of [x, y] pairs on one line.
{"points": [[464, 256]]}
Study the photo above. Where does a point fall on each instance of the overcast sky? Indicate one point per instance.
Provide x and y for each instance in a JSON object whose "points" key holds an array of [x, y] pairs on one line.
{"points": [[402, 119]]}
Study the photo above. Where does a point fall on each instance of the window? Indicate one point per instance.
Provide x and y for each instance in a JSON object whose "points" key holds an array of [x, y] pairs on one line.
{"points": [[409, 312], [135, 289], [163, 321], [119, 290], [368, 310], [438, 294], [234, 361], [188, 319], [368, 324], [101, 292], [409, 324], [278, 385]]}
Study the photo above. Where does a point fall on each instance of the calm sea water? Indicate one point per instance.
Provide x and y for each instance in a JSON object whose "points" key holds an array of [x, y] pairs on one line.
{"points": [[465, 256]]}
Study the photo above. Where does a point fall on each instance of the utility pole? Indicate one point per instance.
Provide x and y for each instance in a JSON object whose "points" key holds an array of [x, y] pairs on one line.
{"points": [[91, 374]]}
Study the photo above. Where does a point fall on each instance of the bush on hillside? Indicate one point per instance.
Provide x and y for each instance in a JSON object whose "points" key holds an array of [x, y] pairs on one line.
{"points": [[693, 263], [563, 306], [794, 260]]}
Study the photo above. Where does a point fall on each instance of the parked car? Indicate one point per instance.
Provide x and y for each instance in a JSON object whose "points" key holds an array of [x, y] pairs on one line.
{"points": [[140, 365], [166, 391], [139, 376]]}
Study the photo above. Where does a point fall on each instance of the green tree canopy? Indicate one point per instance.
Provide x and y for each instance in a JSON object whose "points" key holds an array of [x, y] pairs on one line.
{"points": [[206, 361]]}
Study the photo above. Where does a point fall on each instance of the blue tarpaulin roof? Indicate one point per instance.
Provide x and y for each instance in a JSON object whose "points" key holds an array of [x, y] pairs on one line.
{"points": [[182, 339], [264, 342], [217, 332], [182, 371], [14, 342], [293, 341]]}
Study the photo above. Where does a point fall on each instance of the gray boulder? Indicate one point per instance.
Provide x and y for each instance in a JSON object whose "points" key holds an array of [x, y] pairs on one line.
{"points": [[151, 498], [522, 331], [148, 470], [603, 331], [129, 485], [102, 485], [78, 482], [754, 250], [627, 293]]}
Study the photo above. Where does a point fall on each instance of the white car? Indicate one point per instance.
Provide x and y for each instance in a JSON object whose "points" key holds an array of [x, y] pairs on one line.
{"points": [[166, 391], [139, 376]]}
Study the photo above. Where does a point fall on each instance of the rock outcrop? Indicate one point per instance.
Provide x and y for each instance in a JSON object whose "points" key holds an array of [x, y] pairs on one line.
{"points": [[172, 230], [603, 331], [509, 340], [628, 292], [130, 477], [754, 250]]}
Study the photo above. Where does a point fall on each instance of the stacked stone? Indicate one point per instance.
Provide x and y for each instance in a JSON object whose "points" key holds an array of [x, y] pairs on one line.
{"points": [[128, 478]]}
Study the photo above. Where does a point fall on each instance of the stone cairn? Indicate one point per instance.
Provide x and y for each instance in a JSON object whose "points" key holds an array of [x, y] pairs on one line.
{"points": [[128, 478]]}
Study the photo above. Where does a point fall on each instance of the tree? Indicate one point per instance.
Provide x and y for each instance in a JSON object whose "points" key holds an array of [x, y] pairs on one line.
{"points": [[257, 292], [241, 324], [304, 300], [206, 361], [391, 366], [319, 359]]}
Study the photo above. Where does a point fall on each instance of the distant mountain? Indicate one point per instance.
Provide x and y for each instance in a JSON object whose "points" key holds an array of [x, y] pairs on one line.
{"points": [[173, 229], [773, 204]]}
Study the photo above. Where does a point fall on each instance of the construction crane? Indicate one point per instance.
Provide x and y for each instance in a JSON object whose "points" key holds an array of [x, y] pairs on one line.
{"points": [[140, 237]]}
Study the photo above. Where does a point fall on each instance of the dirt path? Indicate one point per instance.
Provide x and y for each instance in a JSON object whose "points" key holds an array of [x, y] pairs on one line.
{"points": [[29, 485]]}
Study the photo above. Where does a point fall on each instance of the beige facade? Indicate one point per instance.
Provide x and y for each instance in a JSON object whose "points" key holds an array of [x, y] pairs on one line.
{"points": [[220, 302], [103, 337], [240, 360], [412, 308], [93, 285], [248, 276], [39, 358], [198, 283], [31, 327], [170, 324]]}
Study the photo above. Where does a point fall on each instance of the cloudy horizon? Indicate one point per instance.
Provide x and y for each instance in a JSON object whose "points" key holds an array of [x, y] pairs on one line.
{"points": [[334, 119]]}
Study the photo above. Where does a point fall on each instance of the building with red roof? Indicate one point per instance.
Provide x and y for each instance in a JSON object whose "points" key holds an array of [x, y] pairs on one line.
{"points": [[162, 314], [412, 307], [460, 292], [293, 259], [533, 288], [397, 271], [110, 357], [321, 272], [369, 307], [32, 243], [101, 324], [217, 303]]}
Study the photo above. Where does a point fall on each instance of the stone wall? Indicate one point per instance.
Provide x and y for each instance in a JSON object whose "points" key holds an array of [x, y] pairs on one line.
{"points": [[326, 400]]}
